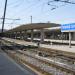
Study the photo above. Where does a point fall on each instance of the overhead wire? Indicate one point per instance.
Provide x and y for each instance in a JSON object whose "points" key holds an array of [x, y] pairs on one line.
{"points": [[28, 9], [67, 1], [56, 6], [14, 10], [8, 18], [16, 6], [12, 3], [35, 6], [32, 5]]}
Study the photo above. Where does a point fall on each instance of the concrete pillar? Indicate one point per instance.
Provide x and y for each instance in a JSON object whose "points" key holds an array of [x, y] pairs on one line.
{"points": [[20, 35], [25, 35], [15, 35], [32, 35], [42, 36]]}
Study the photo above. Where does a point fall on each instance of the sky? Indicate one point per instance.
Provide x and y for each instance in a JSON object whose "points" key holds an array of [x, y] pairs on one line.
{"points": [[40, 10]]}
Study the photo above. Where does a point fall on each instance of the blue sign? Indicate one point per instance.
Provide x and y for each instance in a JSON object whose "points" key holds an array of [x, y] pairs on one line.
{"points": [[68, 27]]}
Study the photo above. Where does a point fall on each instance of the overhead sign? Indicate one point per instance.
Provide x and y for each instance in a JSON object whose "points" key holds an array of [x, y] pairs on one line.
{"points": [[68, 27]]}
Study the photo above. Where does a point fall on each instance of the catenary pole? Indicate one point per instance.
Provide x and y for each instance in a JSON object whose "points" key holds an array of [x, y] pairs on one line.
{"points": [[31, 19], [4, 15]]}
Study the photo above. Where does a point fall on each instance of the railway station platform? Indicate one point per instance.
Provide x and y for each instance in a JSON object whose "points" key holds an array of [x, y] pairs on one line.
{"points": [[9, 67], [64, 48], [61, 55]]}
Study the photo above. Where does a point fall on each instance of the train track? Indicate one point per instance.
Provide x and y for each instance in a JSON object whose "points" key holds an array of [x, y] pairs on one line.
{"points": [[46, 64]]}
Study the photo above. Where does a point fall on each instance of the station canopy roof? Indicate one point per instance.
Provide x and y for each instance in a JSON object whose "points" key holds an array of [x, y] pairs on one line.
{"points": [[33, 26]]}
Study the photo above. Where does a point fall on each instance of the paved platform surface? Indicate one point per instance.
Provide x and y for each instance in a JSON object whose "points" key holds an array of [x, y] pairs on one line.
{"points": [[9, 67], [57, 41], [60, 47], [55, 47]]}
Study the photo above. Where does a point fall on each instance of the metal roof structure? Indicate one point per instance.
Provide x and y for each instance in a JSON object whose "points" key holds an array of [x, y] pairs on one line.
{"points": [[33, 26]]}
